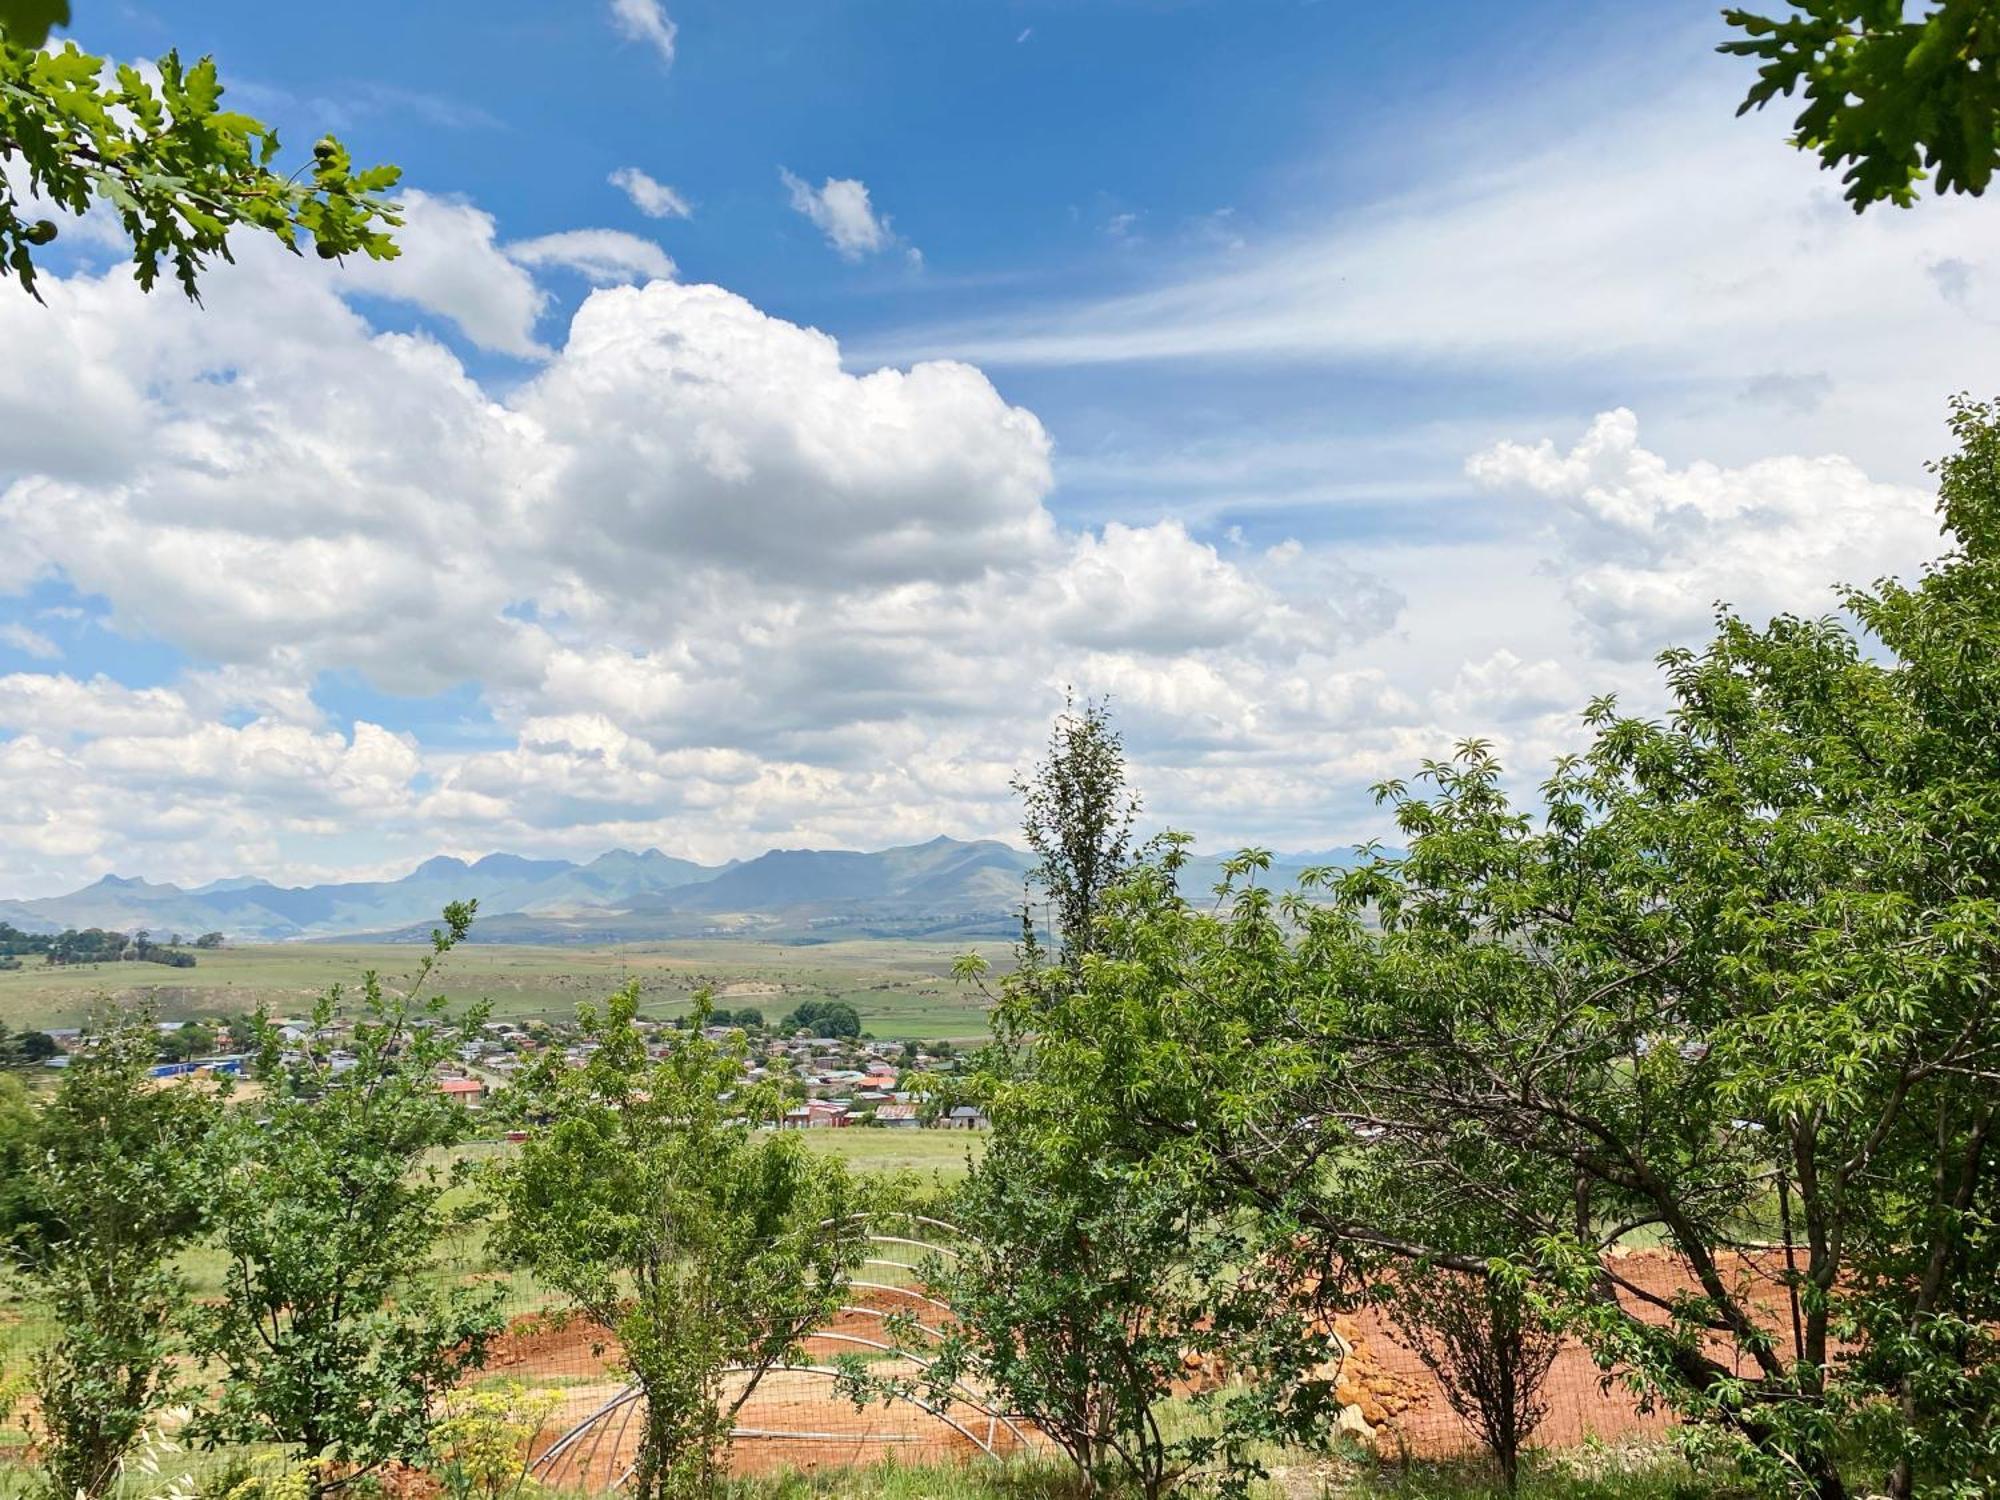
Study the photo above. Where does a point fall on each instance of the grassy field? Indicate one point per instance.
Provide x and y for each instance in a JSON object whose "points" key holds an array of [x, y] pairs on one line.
{"points": [[1638, 1474], [928, 1153], [902, 990], [942, 1153]]}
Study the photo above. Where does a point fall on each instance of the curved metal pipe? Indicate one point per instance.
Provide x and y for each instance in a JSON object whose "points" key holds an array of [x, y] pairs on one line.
{"points": [[901, 1291], [923, 1406]]}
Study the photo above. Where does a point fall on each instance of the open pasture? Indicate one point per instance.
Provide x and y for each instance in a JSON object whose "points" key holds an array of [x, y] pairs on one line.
{"points": [[902, 990]]}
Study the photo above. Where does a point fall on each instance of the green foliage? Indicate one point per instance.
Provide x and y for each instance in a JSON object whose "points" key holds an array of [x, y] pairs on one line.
{"points": [[25, 1048], [1609, 1474], [266, 1477], [1077, 815], [334, 1336], [27, 22], [93, 945], [178, 171], [483, 1435], [649, 1200], [1089, 1291], [1893, 99], [111, 1193], [17, 1151], [1735, 978], [189, 1041], [823, 1018], [1092, 1284]]}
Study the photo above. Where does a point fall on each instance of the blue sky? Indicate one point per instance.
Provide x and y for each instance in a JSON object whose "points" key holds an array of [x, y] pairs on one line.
{"points": [[1321, 381]]}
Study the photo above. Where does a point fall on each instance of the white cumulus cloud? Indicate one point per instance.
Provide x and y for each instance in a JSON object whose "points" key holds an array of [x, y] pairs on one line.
{"points": [[450, 265], [1646, 550], [841, 210]]}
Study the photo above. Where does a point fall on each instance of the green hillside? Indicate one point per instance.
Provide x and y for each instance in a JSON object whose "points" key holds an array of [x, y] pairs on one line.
{"points": [[901, 989]]}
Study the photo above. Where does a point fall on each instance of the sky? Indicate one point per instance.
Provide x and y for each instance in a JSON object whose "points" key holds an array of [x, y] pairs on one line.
{"points": [[777, 407]]}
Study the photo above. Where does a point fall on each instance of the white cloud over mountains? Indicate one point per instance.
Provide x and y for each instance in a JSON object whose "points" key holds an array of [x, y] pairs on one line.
{"points": [[714, 587], [1646, 551]]}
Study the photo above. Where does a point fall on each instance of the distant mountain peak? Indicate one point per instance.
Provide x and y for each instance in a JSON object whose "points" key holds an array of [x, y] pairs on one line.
{"points": [[128, 883], [229, 883], [944, 886], [518, 864]]}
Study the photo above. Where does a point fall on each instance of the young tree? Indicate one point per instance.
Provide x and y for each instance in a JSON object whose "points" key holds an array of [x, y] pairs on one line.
{"points": [[177, 170], [1488, 1349], [1092, 1280], [708, 1248], [1077, 814], [110, 1194], [1087, 1293], [334, 1336], [1893, 98]]}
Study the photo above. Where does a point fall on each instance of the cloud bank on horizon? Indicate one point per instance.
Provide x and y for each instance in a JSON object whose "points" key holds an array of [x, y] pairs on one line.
{"points": [[356, 564]]}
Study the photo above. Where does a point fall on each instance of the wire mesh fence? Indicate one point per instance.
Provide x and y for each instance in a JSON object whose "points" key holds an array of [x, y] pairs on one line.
{"points": [[570, 1372]]}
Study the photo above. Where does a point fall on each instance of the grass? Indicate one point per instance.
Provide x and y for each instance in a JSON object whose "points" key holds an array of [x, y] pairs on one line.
{"points": [[1648, 1473], [928, 1153], [902, 990], [973, 1481]]}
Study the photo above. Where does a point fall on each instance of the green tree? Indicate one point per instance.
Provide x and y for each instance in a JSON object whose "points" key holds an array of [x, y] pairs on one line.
{"points": [[1732, 982], [110, 1195], [1088, 1290], [335, 1336], [1077, 814], [824, 1018], [1092, 1281], [189, 1041], [707, 1247], [1893, 98], [178, 171], [17, 1150], [209, 940], [35, 1047]]}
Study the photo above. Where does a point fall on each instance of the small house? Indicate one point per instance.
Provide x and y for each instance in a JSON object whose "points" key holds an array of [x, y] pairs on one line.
{"points": [[467, 1091]]}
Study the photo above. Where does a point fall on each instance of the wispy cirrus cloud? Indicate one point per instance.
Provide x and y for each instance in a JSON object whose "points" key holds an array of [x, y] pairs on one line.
{"points": [[653, 198], [1657, 246], [647, 22], [604, 257]]}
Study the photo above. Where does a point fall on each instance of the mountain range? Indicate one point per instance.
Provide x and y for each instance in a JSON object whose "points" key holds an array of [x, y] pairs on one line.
{"points": [[941, 889], [945, 888]]}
